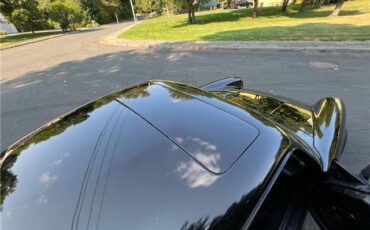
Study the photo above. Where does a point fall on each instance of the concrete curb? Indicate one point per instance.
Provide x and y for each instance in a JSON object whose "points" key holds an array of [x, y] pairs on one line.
{"points": [[113, 40], [358, 46]]}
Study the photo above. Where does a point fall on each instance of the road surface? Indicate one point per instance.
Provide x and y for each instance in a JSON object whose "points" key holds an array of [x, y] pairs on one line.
{"points": [[44, 54]]}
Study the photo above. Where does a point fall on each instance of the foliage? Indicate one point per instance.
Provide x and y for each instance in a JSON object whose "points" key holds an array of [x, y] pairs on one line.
{"points": [[103, 11], [24, 14], [30, 15], [7, 7], [175, 6], [68, 13]]}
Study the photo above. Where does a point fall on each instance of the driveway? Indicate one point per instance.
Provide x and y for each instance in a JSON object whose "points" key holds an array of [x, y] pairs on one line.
{"points": [[46, 79]]}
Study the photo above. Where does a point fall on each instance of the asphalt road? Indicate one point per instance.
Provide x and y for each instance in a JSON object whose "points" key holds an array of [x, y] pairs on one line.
{"points": [[38, 56], [43, 80]]}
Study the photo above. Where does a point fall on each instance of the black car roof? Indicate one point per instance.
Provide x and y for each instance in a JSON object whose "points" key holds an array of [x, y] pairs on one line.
{"points": [[204, 131], [103, 166]]}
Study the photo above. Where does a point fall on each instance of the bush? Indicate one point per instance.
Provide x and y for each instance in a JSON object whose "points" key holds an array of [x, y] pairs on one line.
{"points": [[68, 13], [28, 17]]}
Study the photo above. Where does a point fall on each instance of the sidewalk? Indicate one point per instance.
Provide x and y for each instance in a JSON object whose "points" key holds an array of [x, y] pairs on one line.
{"points": [[362, 46]]}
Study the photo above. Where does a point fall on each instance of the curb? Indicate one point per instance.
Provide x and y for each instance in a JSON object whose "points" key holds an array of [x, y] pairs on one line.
{"points": [[112, 39], [357, 46]]}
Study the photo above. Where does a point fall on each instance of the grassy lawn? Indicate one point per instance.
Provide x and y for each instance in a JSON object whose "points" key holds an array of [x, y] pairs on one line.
{"points": [[14, 39], [271, 24]]}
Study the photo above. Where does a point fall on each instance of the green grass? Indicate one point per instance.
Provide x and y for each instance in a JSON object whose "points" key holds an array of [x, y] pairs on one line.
{"points": [[14, 39], [271, 24]]}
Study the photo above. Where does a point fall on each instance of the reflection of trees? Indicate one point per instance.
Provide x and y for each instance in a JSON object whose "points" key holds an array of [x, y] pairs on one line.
{"points": [[258, 102], [234, 217], [8, 179], [237, 213], [197, 225], [294, 117], [324, 116], [8, 159], [186, 88], [134, 92]]}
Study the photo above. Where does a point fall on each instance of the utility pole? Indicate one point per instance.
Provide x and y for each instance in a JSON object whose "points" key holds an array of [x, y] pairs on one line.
{"points": [[116, 17], [133, 12]]}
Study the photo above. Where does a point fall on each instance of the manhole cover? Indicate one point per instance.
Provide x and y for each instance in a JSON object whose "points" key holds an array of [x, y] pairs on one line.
{"points": [[324, 65]]}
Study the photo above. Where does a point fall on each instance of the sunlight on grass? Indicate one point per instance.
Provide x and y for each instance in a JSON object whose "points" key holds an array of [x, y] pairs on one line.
{"points": [[271, 24]]}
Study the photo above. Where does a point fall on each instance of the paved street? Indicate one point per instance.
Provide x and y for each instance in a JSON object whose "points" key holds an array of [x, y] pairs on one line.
{"points": [[46, 79], [41, 55]]}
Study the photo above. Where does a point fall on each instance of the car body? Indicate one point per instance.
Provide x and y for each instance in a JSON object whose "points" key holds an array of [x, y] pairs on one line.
{"points": [[241, 4], [166, 155], [236, 4]]}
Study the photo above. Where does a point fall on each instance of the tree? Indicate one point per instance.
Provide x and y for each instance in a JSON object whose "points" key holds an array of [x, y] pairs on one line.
{"points": [[191, 14], [125, 10], [255, 5], [103, 11], [68, 13], [303, 3], [318, 3], [337, 8], [7, 7], [93, 9], [224, 2], [284, 5], [149, 6], [24, 14]]}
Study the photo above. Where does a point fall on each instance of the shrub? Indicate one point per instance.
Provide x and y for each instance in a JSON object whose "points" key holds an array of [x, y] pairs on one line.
{"points": [[68, 13]]}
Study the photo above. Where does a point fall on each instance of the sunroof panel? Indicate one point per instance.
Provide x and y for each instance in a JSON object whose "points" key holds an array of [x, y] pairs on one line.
{"points": [[211, 136]]}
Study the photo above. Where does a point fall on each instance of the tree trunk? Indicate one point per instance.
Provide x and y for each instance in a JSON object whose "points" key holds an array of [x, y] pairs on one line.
{"points": [[255, 5], [189, 12], [191, 15], [337, 9], [302, 5], [318, 3], [285, 5], [167, 10]]}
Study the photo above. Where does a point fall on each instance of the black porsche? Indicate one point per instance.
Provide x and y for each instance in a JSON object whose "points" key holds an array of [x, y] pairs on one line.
{"points": [[165, 155]]}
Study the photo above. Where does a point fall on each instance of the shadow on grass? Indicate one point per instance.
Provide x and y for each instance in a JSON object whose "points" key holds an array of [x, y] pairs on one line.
{"points": [[307, 31], [268, 12]]}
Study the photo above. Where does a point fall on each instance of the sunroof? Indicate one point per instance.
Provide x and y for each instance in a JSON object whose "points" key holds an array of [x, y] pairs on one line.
{"points": [[211, 136]]}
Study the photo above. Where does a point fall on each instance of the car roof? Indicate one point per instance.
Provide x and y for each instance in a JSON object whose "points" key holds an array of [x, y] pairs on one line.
{"points": [[105, 166], [203, 130]]}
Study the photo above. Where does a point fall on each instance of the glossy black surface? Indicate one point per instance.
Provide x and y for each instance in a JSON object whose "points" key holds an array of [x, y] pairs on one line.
{"points": [[207, 133], [104, 167], [233, 83], [139, 159], [329, 129], [341, 200]]}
